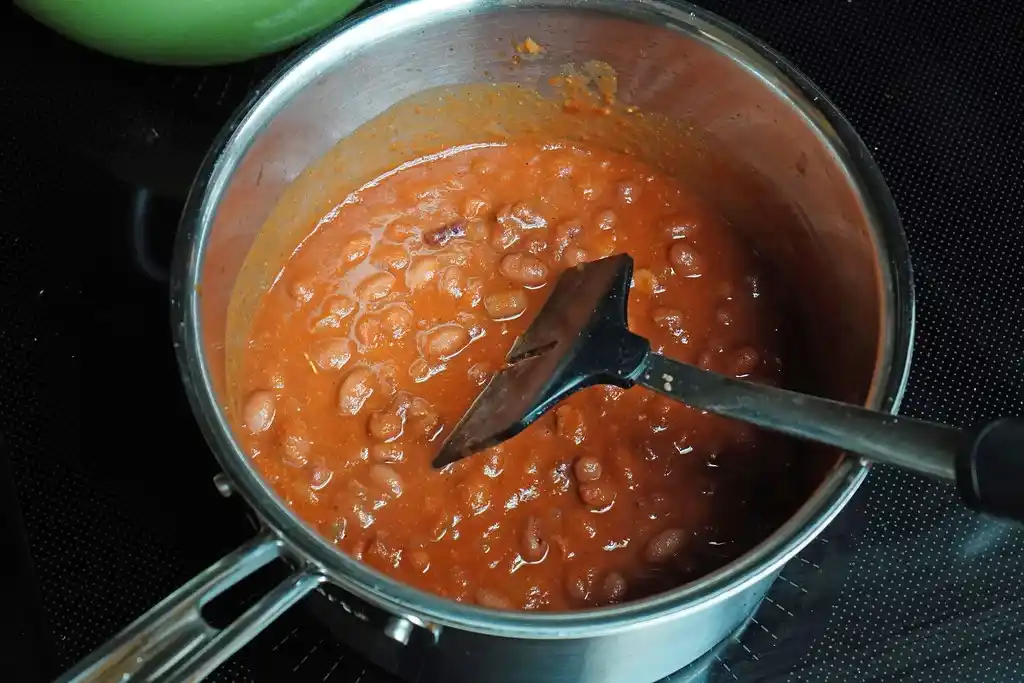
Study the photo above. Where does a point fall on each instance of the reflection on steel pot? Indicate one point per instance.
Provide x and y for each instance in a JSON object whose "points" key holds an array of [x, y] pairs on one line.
{"points": [[798, 179]]}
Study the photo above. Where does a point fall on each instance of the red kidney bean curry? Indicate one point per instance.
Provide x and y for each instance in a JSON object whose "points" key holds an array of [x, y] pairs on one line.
{"points": [[384, 324]]}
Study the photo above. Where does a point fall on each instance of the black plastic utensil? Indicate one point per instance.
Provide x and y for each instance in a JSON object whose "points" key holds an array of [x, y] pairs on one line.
{"points": [[580, 339]]}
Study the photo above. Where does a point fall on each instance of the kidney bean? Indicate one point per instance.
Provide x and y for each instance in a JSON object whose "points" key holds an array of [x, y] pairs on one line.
{"points": [[565, 235], [588, 188], [358, 543], [664, 545], [563, 168], [479, 373], [486, 597], [685, 260], [331, 354], [506, 305], [646, 282], [439, 237], [504, 236], [482, 166], [623, 463], [474, 206], [532, 547], [358, 508], [678, 227], [452, 282], [400, 230], [570, 424], [320, 476], [423, 418], [386, 453], [670, 319], [336, 530], [744, 361], [577, 588], [494, 462], [584, 526], [725, 315], [654, 506], [600, 244], [420, 370], [478, 230], [370, 331], [568, 231], [258, 411], [295, 446], [385, 425], [535, 246], [389, 256], [302, 292], [628, 191], [396, 320], [422, 270], [356, 248], [376, 286], [560, 480], [356, 388], [587, 468], [606, 220], [445, 341], [387, 376], [419, 560], [708, 360], [574, 256], [476, 494], [614, 587], [596, 494], [579, 583], [456, 255], [340, 306], [610, 394], [386, 477], [524, 269], [521, 216], [384, 550], [335, 309]]}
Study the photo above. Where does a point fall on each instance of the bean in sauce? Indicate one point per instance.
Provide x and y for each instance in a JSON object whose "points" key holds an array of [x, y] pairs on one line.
{"points": [[407, 306]]}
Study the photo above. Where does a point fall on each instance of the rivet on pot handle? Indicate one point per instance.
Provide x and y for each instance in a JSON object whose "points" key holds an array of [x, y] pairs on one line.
{"points": [[172, 642]]}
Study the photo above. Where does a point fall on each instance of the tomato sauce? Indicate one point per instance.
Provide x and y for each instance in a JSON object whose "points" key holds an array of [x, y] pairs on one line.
{"points": [[383, 325]]}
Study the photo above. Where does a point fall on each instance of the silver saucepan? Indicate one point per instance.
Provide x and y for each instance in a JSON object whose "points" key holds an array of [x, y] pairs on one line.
{"points": [[788, 168]]}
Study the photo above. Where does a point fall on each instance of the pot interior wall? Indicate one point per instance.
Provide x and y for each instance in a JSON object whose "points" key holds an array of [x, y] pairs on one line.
{"points": [[731, 133]]}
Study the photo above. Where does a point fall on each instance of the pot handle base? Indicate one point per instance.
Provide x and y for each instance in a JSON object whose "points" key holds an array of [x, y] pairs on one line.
{"points": [[173, 643]]}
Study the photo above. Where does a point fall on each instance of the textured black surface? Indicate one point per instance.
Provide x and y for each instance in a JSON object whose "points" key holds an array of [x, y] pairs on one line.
{"points": [[116, 506]]}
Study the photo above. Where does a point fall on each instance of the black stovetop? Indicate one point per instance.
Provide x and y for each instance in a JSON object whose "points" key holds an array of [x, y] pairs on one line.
{"points": [[104, 512]]}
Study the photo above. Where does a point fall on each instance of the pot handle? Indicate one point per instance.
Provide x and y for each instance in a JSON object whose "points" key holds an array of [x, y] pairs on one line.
{"points": [[173, 643]]}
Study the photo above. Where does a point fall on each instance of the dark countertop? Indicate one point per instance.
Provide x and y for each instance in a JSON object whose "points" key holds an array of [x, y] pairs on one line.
{"points": [[105, 512]]}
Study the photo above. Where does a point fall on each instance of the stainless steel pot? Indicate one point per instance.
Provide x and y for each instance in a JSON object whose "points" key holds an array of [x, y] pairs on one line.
{"points": [[786, 166]]}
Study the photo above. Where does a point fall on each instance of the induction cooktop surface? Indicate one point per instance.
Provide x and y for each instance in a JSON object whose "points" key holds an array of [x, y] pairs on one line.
{"points": [[107, 511]]}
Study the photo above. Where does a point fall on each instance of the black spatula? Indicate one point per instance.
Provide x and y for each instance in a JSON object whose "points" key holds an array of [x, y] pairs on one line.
{"points": [[580, 339]]}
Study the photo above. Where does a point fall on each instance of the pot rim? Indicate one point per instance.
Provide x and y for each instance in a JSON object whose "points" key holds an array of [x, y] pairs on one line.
{"points": [[310, 549]]}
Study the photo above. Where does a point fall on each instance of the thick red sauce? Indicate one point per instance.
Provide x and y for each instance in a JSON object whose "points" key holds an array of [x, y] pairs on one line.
{"points": [[386, 321]]}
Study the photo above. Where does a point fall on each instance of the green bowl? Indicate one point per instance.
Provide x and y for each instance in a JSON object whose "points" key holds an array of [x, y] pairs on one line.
{"points": [[187, 32]]}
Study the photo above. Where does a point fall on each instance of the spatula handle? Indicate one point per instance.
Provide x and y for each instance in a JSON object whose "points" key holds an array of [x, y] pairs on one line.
{"points": [[990, 470], [987, 464]]}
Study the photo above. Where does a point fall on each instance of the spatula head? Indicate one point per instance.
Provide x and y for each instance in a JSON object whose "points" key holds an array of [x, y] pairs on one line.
{"points": [[578, 339]]}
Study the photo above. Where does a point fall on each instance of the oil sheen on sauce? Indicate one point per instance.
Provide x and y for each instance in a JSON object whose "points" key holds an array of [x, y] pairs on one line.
{"points": [[383, 325]]}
